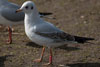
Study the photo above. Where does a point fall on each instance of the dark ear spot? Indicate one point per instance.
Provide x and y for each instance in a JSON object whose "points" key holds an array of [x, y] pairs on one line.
{"points": [[32, 7], [26, 7]]}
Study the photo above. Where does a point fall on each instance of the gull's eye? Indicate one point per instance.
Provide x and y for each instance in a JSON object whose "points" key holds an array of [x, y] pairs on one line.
{"points": [[32, 7], [26, 7]]}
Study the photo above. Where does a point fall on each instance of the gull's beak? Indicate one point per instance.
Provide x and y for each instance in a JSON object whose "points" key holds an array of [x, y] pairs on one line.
{"points": [[19, 10]]}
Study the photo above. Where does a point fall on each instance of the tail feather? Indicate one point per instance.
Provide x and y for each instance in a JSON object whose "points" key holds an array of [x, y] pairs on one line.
{"points": [[41, 13], [82, 39]]}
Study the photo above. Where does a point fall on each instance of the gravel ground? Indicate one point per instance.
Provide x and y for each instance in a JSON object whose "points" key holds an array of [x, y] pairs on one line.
{"points": [[77, 17]]}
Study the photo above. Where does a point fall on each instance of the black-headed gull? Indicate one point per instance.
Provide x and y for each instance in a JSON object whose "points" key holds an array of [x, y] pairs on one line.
{"points": [[8, 16], [44, 33]]}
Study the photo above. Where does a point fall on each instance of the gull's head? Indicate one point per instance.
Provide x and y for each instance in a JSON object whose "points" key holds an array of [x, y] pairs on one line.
{"points": [[27, 7]]}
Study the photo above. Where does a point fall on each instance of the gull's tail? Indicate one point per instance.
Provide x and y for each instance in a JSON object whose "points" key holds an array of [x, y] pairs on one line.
{"points": [[82, 39], [44, 14]]}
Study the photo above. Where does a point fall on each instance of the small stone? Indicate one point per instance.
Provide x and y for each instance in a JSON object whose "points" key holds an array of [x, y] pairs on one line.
{"points": [[82, 17], [84, 22]]}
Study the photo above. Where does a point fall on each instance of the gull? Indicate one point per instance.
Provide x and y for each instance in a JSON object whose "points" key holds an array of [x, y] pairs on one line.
{"points": [[44, 33], [9, 18]]}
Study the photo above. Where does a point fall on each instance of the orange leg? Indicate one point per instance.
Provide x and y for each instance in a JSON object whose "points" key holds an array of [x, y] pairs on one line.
{"points": [[50, 58], [10, 35], [39, 60]]}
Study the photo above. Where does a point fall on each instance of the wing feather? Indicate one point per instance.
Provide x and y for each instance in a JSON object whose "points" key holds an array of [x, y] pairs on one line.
{"points": [[10, 14], [50, 31]]}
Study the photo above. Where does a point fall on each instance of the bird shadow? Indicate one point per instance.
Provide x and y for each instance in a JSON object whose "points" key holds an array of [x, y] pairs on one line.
{"points": [[84, 65], [64, 47], [3, 59], [68, 48]]}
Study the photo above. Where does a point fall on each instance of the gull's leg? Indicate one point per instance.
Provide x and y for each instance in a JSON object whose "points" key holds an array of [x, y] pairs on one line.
{"points": [[50, 58], [10, 35], [39, 60]]}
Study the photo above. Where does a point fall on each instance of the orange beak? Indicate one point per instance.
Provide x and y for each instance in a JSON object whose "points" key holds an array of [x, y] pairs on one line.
{"points": [[19, 10]]}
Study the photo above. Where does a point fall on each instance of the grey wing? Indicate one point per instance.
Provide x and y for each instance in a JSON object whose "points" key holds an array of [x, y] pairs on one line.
{"points": [[50, 31], [8, 12]]}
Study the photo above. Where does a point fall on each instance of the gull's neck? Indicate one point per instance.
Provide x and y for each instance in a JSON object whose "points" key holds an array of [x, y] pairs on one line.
{"points": [[31, 17], [31, 20]]}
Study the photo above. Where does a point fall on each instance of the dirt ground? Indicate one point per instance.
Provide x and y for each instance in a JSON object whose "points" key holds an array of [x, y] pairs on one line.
{"points": [[77, 17]]}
